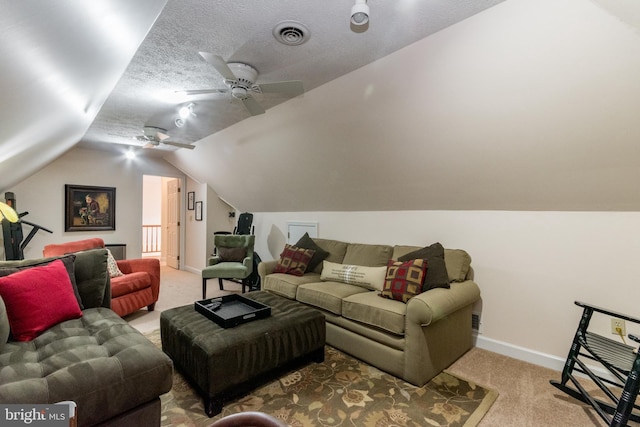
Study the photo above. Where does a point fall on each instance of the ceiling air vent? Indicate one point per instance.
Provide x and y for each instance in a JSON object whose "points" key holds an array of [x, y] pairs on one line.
{"points": [[291, 33]]}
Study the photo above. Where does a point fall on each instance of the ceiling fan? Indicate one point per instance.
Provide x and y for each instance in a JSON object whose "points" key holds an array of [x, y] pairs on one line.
{"points": [[154, 136], [240, 80]]}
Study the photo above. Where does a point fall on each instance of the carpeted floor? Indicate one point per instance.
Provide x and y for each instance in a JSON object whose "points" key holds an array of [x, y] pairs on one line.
{"points": [[341, 391], [526, 399]]}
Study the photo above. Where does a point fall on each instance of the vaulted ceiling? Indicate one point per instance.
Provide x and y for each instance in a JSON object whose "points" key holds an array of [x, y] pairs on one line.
{"points": [[466, 104]]}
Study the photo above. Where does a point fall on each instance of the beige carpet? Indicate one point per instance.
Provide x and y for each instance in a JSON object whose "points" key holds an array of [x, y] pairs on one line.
{"points": [[526, 399]]}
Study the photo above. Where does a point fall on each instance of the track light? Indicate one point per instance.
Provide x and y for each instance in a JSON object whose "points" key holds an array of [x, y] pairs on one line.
{"points": [[360, 13], [187, 111]]}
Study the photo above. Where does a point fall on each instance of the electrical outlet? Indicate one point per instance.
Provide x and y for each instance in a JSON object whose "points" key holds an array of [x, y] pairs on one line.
{"points": [[618, 324]]}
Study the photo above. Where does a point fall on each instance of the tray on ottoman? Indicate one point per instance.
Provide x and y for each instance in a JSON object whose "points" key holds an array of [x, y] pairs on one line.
{"points": [[232, 310]]}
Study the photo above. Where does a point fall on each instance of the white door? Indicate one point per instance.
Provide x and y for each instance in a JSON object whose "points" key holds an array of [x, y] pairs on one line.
{"points": [[173, 223]]}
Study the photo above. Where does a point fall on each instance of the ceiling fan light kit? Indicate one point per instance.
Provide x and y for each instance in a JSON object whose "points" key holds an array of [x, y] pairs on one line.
{"points": [[360, 13], [240, 80]]}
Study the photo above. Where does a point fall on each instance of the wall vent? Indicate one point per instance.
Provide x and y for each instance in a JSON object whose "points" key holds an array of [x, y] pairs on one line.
{"points": [[475, 322]]}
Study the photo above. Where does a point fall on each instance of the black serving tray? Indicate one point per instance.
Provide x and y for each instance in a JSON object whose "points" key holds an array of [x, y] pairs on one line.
{"points": [[233, 310]]}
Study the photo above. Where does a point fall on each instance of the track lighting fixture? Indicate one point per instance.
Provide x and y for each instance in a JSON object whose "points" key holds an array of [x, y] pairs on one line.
{"points": [[187, 111], [360, 13]]}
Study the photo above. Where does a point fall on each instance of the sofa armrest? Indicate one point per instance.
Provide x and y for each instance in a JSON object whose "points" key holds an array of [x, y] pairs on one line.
{"points": [[149, 265], [435, 304], [266, 267]]}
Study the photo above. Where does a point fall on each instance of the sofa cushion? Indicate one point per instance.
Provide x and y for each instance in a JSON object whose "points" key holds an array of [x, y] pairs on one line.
{"points": [[437, 276], [129, 283], [368, 308], [38, 298], [458, 263], [404, 279], [327, 295], [286, 285], [319, 255], [368, 277], [98, 361], [369, 255], [336, 250], [294, 260]]}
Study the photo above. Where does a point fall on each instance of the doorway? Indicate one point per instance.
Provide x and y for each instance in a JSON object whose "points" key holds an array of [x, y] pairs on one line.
{"points": [[161, 210]]}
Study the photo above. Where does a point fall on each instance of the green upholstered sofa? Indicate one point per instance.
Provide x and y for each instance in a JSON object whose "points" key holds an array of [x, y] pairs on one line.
{"points": [[109, 369], [414, 340]]}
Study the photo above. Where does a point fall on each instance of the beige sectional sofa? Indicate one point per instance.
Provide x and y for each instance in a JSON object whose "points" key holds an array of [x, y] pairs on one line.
{"points": [[414, 340]]}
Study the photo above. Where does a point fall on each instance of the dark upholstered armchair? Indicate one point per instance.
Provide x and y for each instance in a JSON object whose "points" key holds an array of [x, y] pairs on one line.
{"points": [[233, 260]]}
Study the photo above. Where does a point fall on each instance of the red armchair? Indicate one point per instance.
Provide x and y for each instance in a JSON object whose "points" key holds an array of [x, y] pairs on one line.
{"points": [[140, 285]]}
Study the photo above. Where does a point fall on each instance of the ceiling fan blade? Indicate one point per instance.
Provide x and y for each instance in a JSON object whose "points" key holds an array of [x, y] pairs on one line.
{"points": [[252, 105], [149, 144], [161, 136], [179, 144], [293, 87], [219, 64], [202, 91]]}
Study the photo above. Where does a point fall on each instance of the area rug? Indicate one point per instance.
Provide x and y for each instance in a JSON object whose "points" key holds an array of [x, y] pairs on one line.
{"points": [[341, 391]]}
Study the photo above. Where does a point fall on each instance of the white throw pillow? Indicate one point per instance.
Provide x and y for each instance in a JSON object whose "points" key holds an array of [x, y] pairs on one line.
{"points": [[359, 275]]}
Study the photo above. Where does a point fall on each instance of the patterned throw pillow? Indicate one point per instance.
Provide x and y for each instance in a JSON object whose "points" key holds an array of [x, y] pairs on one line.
{"points": [[404, 279], [294, 260], [112, 266], [320, 254], [437, 275]]}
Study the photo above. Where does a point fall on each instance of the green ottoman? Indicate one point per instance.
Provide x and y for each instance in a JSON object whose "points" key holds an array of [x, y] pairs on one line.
{"points": [[222, 363]]}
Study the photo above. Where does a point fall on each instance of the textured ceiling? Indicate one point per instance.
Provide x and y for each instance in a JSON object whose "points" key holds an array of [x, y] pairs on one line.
{"points": [[241, 31]]}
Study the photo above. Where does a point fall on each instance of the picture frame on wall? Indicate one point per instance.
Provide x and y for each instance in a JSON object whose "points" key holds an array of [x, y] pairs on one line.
{"points": [[89, 208], [198, 208], [191, 198]]}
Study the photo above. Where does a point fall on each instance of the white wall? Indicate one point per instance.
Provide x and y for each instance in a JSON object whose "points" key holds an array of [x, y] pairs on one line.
{"points": [[530, 266], [43, 194]]}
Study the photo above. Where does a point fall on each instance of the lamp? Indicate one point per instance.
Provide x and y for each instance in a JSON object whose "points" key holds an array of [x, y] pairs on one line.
{"points": [[360, 13], [187, 111], [8, 212]]}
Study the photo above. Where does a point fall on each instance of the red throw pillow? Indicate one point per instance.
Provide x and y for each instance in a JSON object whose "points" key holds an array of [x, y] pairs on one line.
{"points": [[404, 279], [37, 299], [294, 260]]}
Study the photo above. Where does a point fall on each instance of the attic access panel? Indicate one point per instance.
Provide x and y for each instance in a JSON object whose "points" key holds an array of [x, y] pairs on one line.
{"points": [[296, 229]]}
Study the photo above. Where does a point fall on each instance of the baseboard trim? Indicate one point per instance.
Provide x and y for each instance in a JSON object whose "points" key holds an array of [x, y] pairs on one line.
{"points": [[521, 353], [193, 270], [531, 356]]}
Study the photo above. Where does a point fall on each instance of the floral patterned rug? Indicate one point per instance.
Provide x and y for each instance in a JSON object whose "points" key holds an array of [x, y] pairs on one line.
{"points": [[341, 391]]}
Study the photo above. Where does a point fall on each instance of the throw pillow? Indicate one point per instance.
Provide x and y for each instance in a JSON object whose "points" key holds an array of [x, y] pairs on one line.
{"points": [[404, 279], [320, 254], [359, 275], [37, 299], [112, 266], [67, 260], [232, 254], [294, 260], [437, 275]]}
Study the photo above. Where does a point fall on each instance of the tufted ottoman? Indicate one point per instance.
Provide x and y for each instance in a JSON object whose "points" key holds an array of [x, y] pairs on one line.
{"points": [[222, 362]]}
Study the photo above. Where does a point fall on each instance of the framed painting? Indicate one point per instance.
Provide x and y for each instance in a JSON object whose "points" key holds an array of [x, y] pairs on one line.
{"points": [[89, 208]]}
